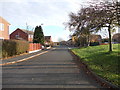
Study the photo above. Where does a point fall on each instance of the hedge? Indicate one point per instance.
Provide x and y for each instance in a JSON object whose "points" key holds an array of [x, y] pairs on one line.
{"points": [[14, 47]]}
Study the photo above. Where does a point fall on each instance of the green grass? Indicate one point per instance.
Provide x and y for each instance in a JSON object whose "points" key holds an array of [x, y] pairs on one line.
{"points": [[102, 62]]}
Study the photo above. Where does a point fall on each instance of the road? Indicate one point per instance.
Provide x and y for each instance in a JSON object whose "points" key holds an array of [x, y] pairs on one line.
{"points": [[54, 69]]}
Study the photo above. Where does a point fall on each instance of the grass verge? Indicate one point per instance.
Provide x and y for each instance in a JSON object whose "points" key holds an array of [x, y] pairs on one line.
{"points": [[100, 61]]}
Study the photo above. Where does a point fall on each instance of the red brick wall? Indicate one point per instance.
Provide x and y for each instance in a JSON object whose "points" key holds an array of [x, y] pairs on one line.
{"points": [[21, 34]]}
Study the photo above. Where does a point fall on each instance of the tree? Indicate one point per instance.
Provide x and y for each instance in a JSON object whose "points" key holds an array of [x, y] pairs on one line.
{"points": [[38, 35], [106, 15], [81, 25], [94, 18]]}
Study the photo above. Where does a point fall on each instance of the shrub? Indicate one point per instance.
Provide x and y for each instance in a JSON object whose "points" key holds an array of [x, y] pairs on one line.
{"points": [[21, 46], [14, 47]]}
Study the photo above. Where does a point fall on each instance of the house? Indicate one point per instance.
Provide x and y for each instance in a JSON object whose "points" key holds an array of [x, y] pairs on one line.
{"points": [[116, 38], [83, 40], [4, 28], [48, 40], [22, 34], [55, 43], [95, 38], [74, 40]]}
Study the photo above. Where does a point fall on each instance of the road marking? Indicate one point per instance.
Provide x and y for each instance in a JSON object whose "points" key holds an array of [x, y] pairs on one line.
{"points": [[21, 60]]}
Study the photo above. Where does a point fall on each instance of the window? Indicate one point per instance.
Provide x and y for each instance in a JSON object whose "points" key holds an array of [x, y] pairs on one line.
{"points": [[17, 36], [1, 27], [30, 36]]}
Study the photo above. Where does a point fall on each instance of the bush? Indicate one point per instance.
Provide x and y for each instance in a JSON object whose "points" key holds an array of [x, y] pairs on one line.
{"points": [[14, 47]]}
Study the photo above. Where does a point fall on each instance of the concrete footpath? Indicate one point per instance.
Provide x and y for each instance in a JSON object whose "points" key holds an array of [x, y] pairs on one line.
{"points": [[23, 57]]}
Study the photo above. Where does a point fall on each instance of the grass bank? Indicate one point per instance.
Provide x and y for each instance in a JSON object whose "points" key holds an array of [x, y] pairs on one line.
{"points": [[102, 62]]}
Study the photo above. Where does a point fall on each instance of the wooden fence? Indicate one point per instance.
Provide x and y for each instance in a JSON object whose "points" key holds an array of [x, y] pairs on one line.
{"points": [[34, 46], [104, 44]]}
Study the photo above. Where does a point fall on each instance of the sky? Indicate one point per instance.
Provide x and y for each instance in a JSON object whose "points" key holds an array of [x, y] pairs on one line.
{"points": [[51, 14]]}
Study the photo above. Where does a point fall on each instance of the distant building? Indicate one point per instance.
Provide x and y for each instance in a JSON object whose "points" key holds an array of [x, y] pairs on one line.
{"points": [[4, 28], [74, 40], [62, 42], [48, 40], [95, 38], [55, 43], [22, 34], [116, 38]]}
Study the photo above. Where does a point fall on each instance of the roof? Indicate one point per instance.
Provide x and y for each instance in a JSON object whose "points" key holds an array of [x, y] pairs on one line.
{"points": [[2, 19], [116, 35], [47, 37], [95, 35], [28, 32]]}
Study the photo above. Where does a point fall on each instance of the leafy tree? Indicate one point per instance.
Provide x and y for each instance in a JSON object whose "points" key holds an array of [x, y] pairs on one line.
{"points": [[38, 35]]}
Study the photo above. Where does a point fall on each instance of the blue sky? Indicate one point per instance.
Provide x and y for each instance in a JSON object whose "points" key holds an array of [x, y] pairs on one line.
{"points": [[51, 13]]}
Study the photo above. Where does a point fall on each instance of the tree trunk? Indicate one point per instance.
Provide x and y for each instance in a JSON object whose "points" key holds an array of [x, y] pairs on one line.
{"points": [[110, 39], [88, 40]]}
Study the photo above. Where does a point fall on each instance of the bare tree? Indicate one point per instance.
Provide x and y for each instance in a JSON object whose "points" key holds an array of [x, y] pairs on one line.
{"points": [[94, 18]]}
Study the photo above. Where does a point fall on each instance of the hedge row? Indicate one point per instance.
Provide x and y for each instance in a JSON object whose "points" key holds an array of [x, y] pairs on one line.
{"points": [[14, 47]]}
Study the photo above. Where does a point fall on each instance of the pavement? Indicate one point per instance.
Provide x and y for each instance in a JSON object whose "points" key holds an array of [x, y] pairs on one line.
{"points": [[53, 69], [20, 57]]}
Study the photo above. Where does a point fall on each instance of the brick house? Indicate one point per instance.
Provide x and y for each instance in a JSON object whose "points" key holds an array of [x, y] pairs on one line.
{"points": [[48, 40], [22, 34], [95, 38], [116, 38], [4, 28]]}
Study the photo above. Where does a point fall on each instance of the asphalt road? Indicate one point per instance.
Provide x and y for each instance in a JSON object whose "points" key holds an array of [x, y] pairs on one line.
{"points": [[54, 69]]}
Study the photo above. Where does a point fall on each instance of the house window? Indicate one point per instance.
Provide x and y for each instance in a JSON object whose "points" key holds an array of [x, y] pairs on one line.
{"points": [[1, 27], [30, 36], [17, 36]]}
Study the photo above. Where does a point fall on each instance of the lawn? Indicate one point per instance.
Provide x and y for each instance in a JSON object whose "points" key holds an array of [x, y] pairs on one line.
{"points": [[102, 62]]}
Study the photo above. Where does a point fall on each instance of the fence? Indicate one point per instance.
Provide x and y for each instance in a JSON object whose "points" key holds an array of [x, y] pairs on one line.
{"points": [[104, 44], [34, 46]]}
